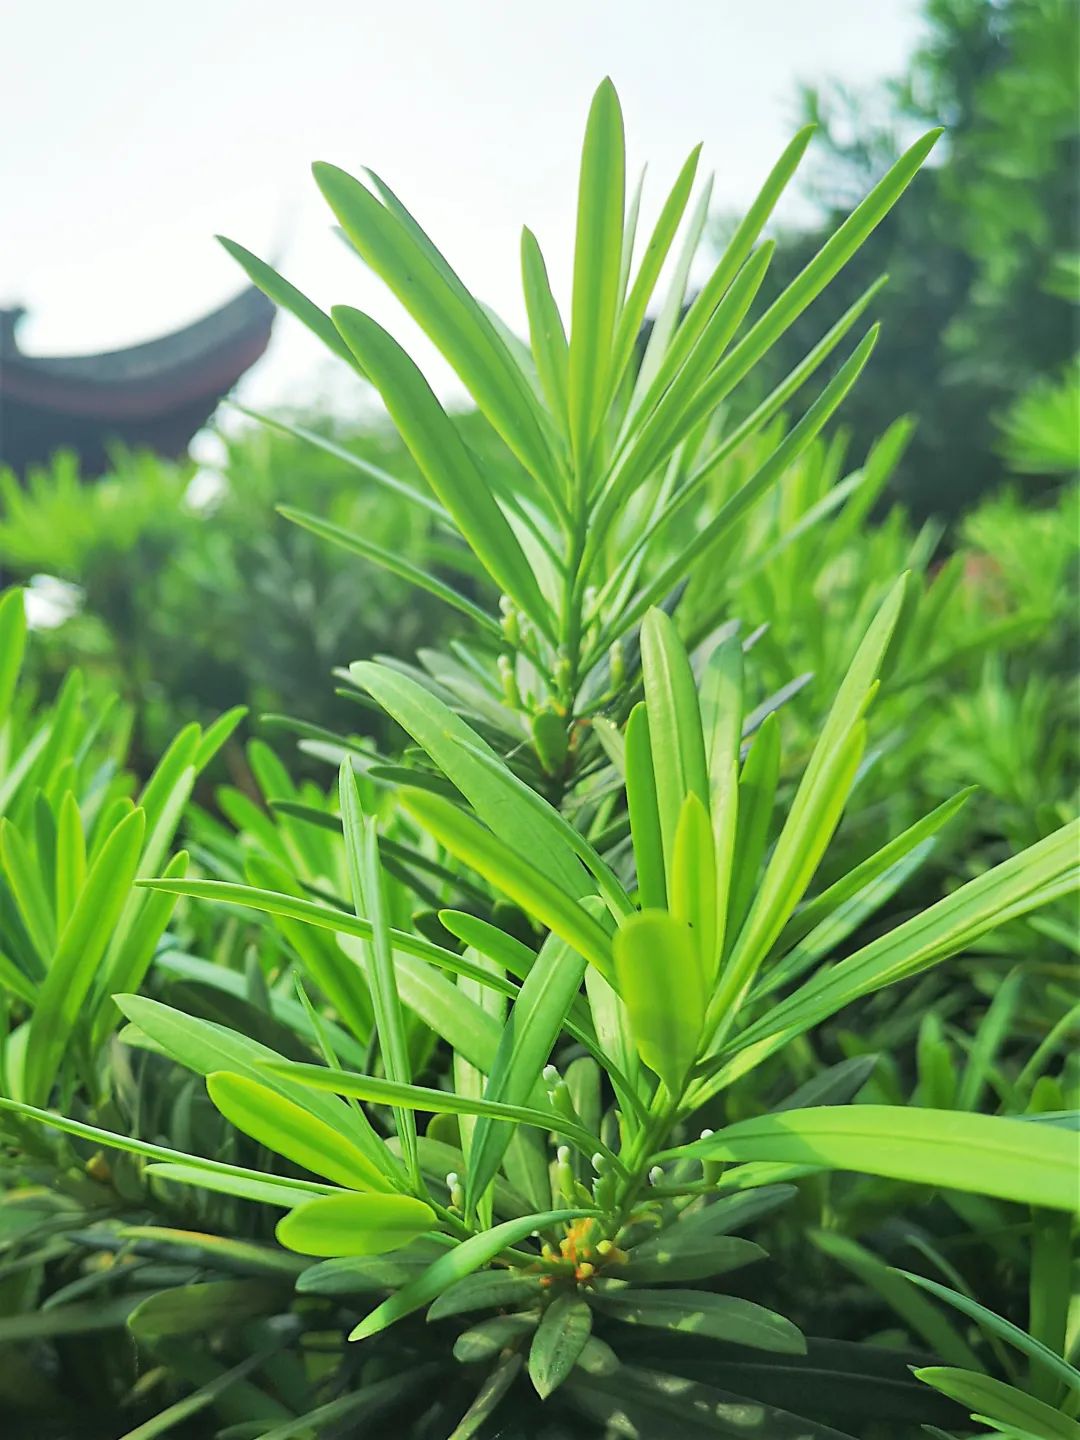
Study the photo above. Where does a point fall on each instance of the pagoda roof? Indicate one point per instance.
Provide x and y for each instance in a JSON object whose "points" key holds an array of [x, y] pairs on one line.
{"points": [[154, 395]]}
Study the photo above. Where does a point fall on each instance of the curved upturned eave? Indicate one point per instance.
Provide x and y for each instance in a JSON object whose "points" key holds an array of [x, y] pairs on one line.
{"points": [[201, 360]]}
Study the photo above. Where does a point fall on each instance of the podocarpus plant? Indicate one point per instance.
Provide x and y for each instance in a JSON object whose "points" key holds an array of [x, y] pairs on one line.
{"points": [[560, 1183], [606, 504], [680, 952]]}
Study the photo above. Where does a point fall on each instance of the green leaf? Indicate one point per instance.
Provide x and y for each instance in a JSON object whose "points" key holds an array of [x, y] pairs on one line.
{"points": [[693, 1312], [394, 562], [597, 252], [921, 1317], [816, 910], [244, 1187], [512, 873], [12, 646], [1004, 1405], [199, 1163], [652, 261], [980, 1154], [489, 788], [644, 814], [560, 1337], [207, 1048], [532, 1027], [487, 1290], [495, 1387], [447, 466], [279, 290], [1006, 891], [546, 330], [78, 954], [207, 1394], [659, 979], [469, 1256], [397, 249], [202, 1308], [354, 1224], [376, 1090], [485, 1340], [367, 1274], [993, 1324], [693, 885], [766, 475], [678, 746], [682, 1253], [366, 883], [814, 277], [292, 1131]]}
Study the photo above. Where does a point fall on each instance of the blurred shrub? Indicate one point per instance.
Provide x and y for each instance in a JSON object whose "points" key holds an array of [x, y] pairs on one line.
{"points": [[193, 595], [976, 309]]}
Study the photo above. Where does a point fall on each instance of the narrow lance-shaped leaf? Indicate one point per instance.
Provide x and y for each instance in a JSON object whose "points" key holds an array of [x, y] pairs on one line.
{"points": [[513, 874], [763, 478], [597, 251], [559, 1340], [531, 1029], [292, 1131], [354, 1224], [660, 981], [442, 457], [633, 310], [813, 278], [421, 1097], [678, 748], [365, 879], [392, 561], [981, 1154], [546, 330], [78, 954], [282, 293], [397, 249], [448, 1269], [948, 925], [644, 814]]}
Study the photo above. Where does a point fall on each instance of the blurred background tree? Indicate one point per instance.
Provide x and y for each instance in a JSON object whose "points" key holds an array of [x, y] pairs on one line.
{"points": [[979, 320]]}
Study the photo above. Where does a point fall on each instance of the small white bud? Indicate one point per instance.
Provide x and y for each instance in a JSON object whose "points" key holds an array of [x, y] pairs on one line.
{"points": [[551, 1075], [656, 1174], [563, 1154]]}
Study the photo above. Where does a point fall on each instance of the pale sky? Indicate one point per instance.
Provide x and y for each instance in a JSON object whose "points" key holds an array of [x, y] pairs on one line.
{"points": [[131, 132]]}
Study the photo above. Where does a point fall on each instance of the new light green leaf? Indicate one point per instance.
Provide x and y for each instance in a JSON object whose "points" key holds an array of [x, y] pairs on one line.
{"points": [[292, 1131], [675, 736], [546, 331], [423, 1097], [282, 293], [335, 1225], [979, 1154], [597, 253], [660, 981]]}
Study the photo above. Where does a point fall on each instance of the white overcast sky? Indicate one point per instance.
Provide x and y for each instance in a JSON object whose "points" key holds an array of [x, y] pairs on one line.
{"points": [[130, 132]]}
